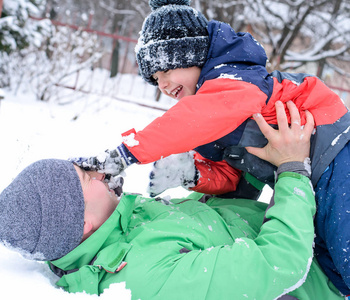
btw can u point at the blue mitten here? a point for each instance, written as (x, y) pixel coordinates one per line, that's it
(173, 171)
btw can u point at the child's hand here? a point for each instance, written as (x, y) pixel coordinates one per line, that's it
(172, 171)
(116, 184)
(288, 143)
(109, 162)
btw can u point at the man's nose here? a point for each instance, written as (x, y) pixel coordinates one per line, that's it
(100, 176)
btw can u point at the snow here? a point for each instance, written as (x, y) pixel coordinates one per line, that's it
(220, 66)
(307, 165)
(301, 281)
(241, 241)
(130, 141)
(33, 130)
(338, 137)
(233, 76)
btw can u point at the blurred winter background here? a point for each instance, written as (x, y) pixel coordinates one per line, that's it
(69, 86)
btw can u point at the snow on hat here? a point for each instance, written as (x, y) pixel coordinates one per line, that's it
(42, 210)
(173, 36)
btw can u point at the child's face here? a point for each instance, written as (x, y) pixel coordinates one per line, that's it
(178, 83)
(100, 200)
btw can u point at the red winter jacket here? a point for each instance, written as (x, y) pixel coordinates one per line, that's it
(218, 108)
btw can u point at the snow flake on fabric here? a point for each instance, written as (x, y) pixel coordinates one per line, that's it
(296, 82)
(307, 165)
(300, 282)
(338, 137)
(230, 76)
(220, 66)
(130, 141)
(241, 241)
(256, 42)
(101, 157)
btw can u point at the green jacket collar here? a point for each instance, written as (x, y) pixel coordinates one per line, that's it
(112, 229)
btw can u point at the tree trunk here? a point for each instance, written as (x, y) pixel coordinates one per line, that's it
(115, 60)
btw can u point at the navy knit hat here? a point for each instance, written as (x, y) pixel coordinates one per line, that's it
(42, 210)
(173, 36)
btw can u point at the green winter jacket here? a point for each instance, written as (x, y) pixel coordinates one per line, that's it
(221, 249)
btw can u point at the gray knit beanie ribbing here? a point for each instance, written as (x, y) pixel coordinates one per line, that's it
(173, 36)
(42, 210)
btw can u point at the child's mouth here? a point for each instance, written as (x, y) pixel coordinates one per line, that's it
(176, 91)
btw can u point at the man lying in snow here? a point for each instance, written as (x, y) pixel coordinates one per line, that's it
(193, 248)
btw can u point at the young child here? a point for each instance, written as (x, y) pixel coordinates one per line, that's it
(220, 80)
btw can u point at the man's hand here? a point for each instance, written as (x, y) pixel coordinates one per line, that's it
(288, 143)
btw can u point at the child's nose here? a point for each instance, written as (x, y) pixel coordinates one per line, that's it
(162, 83)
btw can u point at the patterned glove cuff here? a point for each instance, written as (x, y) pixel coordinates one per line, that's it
(127, 157)
(303, 168)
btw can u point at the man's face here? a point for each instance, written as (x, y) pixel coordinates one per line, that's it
(178, 83)
(100, 200)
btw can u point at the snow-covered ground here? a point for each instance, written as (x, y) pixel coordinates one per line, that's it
(31, 130)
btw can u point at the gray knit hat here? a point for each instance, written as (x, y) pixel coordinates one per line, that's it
(42, 210)
(173, 36)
